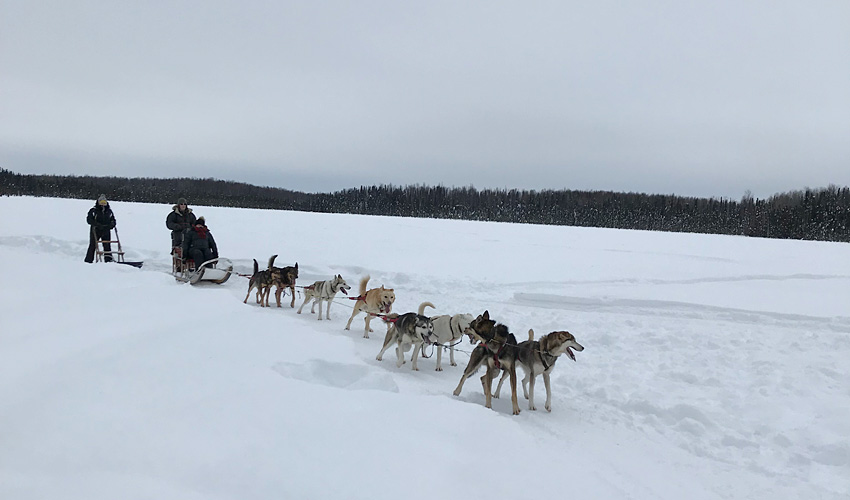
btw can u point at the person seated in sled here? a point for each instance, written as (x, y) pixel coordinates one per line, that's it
(179, 220)
(199, 244)
(102, 221)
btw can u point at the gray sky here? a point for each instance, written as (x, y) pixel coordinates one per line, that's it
(707, 98)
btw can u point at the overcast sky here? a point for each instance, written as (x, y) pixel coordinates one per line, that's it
(708, 98)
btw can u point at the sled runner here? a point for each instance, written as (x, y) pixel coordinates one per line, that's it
(214, 270)
(117, 255)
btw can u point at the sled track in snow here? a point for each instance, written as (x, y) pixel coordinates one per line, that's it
(675, 309)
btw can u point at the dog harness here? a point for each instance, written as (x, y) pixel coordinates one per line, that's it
(536, 347)
(496, 355)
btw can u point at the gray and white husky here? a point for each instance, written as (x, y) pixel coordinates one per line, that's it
(409, 329)
(324, 291)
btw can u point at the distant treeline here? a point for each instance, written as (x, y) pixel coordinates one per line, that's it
(811, 214)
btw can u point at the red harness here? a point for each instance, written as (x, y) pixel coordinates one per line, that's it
(496, 355)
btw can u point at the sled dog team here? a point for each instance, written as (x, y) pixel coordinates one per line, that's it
(498, 349)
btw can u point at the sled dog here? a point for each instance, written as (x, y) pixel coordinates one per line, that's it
(497, 351)
(406, 330)
(540, 357)
(447, 330)
(375, 301)
(288, 275)
(324, 291)
(262, 281)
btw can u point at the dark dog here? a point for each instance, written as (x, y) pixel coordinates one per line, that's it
(288, 275)
(498, 351)
(539, 358)
(409, 329)
(263, 281)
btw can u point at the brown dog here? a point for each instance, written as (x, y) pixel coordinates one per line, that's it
(498, 351)
(375, 301)
(538, 358)
(288, 275)
(263, 281)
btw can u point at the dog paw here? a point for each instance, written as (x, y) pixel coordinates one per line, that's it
(439, 369)
(379, 357)
(548, 408)
(456, 392)
(516, 411)
(532, 407)
(453, 363)
(496, 396)
(365, 335)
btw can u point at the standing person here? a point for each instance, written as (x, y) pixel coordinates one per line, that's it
(179, 220)
(198, 243)
(102, 221)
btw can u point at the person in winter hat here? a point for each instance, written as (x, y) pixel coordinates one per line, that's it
(179, 220)
(101, 221)
(199, 244)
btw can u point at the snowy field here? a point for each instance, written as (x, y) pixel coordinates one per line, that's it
(714, 366)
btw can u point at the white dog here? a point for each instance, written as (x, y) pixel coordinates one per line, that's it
(448, 330)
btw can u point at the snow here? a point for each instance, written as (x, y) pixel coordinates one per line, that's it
(714, 366)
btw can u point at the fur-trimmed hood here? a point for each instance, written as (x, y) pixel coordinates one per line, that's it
(188, 210)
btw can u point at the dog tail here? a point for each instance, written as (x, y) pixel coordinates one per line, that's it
(271, 260)
(530, 334)
(256, 267)
(422, 307)
(363, 282)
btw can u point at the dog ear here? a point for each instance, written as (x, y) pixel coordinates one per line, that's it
(486, 315)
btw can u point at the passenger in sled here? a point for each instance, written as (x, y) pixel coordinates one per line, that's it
(199, 244)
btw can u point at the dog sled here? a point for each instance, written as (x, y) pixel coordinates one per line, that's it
(115, 255)
(216, 270)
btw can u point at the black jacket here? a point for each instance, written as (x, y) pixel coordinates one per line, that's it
(101, 217)
(178, 222)
(199, 237)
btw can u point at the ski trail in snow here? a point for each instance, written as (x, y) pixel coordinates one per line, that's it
(675, 310)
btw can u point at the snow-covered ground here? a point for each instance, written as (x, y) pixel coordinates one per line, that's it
(714, 366)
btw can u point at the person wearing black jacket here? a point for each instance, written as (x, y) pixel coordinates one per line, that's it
(102, 221)
(198, 243)
(179, 220)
